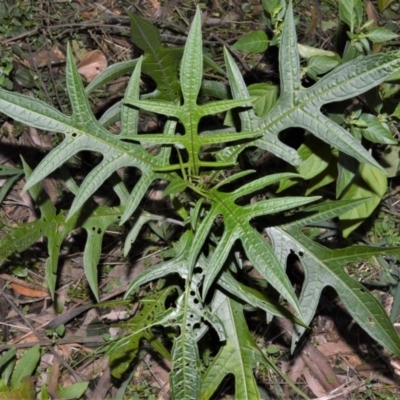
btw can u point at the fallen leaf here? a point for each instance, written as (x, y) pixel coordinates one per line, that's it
(92, 64)
(42, 58)
(24, 288)
(372, 14)
(26, 291)
(313, 384)
(333, 348)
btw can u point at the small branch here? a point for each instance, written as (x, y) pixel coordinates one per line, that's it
(76, 376)
(235, 53)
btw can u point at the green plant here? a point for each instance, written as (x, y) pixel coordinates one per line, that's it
(215, 225)
(367, 118)
(15, 19)
(18, 376)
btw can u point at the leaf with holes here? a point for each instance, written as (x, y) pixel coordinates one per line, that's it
(123, 352)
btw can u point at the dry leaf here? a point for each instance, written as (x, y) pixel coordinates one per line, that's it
(372, 13)
(92, 64)
(42, 58)
(28, 292)
(294, 369)
(90, 13)
(332, 348)
(313, 384)
(25, 288)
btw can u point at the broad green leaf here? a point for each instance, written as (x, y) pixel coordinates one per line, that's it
(375, 131)
(216, 89)
(144, 34)
(390, 159)
(316, 157)
(378, 35)
(326, 177)
(350, 12)
(308, 51)
(319, 65)
(175, 187)
(3, 385)
(274, 7)
(7, 357)
(396, 112)
(159, 62)
(266, 96)
(74, 391)
(347, 168)
(253, 42)
(370, 184)
(25, 366)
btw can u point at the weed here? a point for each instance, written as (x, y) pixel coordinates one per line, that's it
(215, 224)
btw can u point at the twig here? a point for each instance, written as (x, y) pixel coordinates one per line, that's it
(99, 339)
(237, 56)
(76, 376)
(63, 26)
(165, 37)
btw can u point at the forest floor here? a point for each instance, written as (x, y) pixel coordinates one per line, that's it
(33, 41)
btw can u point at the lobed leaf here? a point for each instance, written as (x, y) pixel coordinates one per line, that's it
(300, 107)
(324, 267)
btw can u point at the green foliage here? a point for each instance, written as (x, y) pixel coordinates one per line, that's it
(204, 294)
(253, 42)
(15, 18)
(74, 391)
(322, 167)
(125, 351)
(351, 12)
(55, 227)
(18, 376)
(17, 381)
